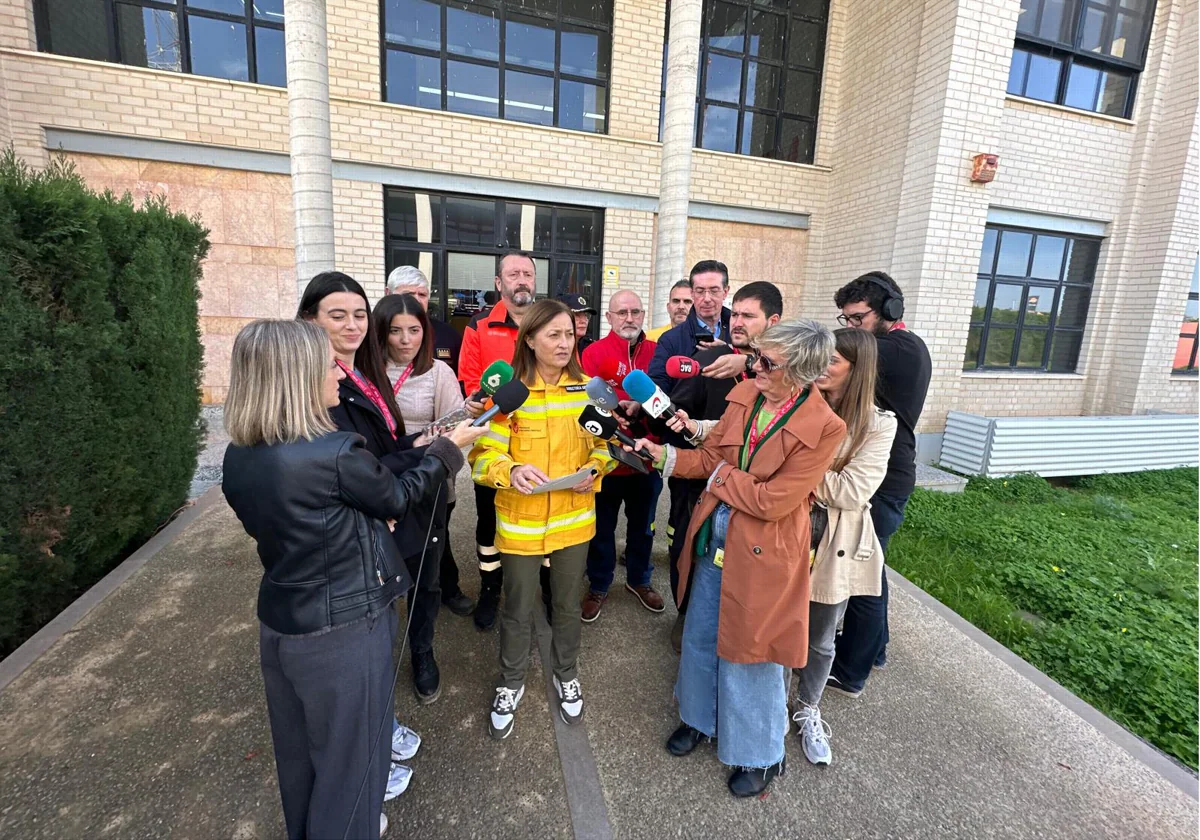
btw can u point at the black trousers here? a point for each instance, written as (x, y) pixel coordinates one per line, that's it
(448, 569)
(328, 694)
(425, 598)
(485, 528)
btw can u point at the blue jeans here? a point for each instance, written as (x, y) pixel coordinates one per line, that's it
(638, 493)
(865, 628)
(743, 706)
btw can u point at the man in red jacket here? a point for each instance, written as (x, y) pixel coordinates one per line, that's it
(490, 336)
(624, 349)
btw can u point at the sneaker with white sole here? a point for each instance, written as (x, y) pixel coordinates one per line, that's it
(570, 701)
(398, 778)
(382, 824)
(504, 711)
(405, 742)
(840, 687)
(814, 735)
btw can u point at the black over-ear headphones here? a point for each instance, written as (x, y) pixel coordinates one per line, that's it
(892, 307)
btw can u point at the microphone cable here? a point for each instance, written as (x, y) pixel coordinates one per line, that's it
(395, 676)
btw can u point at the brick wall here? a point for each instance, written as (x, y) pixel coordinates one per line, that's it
(629, 245)
(358, 233)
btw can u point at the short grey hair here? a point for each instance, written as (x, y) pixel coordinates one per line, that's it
(406, 276)
(806, 346)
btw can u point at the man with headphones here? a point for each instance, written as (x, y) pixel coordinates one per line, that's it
(875, 303)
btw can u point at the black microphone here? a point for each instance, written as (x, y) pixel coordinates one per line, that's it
(508, 398)
(602, 424)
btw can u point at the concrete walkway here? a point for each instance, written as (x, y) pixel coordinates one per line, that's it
(148, 720)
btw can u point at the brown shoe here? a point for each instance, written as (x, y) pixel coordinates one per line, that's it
(593, 602)
(650, 599)
(677, 634)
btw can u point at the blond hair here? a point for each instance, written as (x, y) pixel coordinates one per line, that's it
(276, 379)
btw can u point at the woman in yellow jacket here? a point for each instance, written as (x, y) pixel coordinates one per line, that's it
(540, 442)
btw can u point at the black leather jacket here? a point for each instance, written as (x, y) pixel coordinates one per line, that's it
(317, 510)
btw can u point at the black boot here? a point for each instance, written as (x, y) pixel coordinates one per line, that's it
(489, 598)
(544, 577)
(751, 781)
(684, 739)
(427, 680)
(458, 603)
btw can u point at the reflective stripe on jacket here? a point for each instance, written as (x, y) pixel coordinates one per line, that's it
(544, 432)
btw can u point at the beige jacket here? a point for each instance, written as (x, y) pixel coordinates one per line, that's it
(849, 559)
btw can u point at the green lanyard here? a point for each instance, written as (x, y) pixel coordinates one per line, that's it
(751, 438)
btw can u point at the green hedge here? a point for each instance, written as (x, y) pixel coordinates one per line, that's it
(100, 363)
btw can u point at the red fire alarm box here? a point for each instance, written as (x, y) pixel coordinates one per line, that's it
(984, 169)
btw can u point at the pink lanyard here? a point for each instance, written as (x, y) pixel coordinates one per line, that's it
(373, 395)
(403, 378)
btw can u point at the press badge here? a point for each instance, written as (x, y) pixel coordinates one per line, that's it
(719, 558)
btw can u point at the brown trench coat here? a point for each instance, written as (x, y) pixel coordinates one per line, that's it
(764, 585)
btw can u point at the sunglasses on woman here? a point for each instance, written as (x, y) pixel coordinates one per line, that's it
(765, 362)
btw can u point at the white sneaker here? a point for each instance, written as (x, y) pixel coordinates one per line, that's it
(504, 711)
(570, 701)
(405, 743)
(814, 735)
(382, 824)
(398, 780)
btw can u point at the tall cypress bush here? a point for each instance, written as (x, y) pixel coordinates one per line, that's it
(100, 361)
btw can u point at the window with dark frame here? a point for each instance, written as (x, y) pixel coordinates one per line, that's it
(759, 85)
(1084, 54)
(241, 40)
(457, 239)
(545, 62)
(1031, 300)
(1185, 348)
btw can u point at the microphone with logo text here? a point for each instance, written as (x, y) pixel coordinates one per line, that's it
(641, 387)
(603, 425)
(508, 398)
(497, 373)
(601, 394)
(611, 370)
(682, 367)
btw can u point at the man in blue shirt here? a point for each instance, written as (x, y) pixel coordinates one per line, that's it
(707, 323)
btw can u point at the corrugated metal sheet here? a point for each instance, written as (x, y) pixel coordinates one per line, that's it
(1050, 446)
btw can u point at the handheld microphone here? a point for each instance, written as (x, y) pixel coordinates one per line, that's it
(611, 370)
(498, 373)
(603, 425)
(682, 367)
(602, 394)
(508, 398)
(641, 387)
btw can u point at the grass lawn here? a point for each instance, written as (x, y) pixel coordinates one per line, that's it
(1094, 583)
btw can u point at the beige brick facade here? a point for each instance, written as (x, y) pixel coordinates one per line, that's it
(911, 91)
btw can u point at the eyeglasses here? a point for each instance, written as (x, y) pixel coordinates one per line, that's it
(767, 364)
(717, 291)
(854, 320)
(624, 314)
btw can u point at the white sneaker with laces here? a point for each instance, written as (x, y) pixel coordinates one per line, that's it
(405, 743)
(570, 701)
(382, 824)
(398, 780)
(504, 711)
(814, 734)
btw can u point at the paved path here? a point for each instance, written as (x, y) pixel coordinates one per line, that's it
(147, 720)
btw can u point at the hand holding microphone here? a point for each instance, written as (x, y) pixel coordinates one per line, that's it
(603, 425)
(497, 374)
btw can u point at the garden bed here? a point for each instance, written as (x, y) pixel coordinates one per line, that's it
(1094, 583)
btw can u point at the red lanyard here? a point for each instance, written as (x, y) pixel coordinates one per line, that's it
(372, 393)
(404, 374)
(753, 438)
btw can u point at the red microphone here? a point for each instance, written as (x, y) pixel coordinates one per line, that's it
(611, 371)
(682, 367)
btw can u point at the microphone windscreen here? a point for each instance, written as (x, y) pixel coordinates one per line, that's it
(510, 396)
(598, 422)
(602, 394)
(497, 373)
(609, 369)
(639, 386)
(682, 367)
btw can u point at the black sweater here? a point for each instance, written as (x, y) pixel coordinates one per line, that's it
(904, 371)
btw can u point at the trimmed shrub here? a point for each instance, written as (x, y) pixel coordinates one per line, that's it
(100, 363)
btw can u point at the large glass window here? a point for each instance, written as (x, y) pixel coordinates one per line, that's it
(759, 84)
(1083, 53)
(1185, 348)
(545, 62)
(456, 240)
(1031, 300)
(230, 39)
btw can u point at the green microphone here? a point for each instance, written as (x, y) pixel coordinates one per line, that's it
(498, 373)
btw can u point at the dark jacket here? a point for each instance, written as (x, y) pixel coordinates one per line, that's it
(680, 341)
(904, 371)
(447, 342)
(356, 413)
(317, 510)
